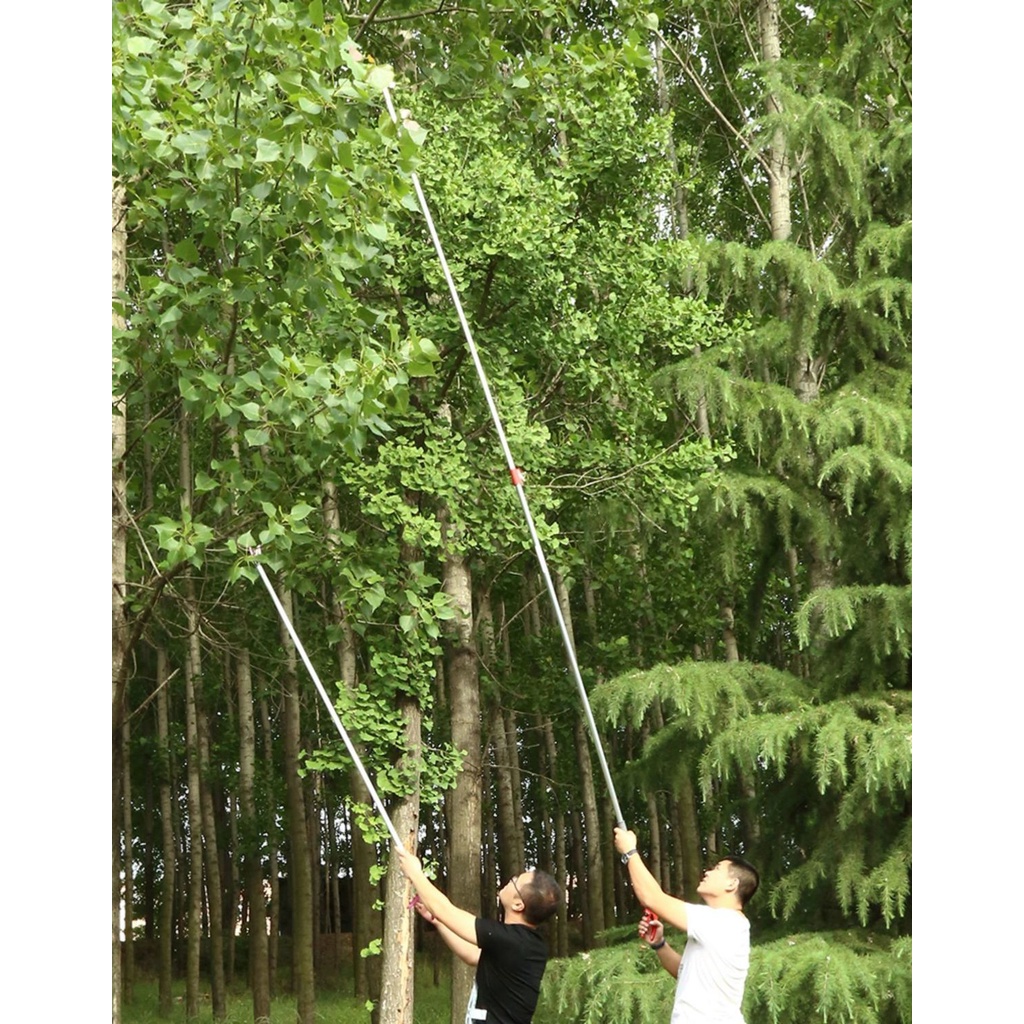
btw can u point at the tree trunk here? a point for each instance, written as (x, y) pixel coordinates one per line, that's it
(273, 866)
(203, 831)
(732, 650)
(299, 873)
(128, 964)
(592, 830)
(463, 800)
(516, 783)
(593, 826)
(170, 847)
(561, 872)
(687, 832)
(510, 854)
(195, 813)
(250, 833)
(779, 180)
(119, 541)
(578, 897)
(211, 848)
(366, 922)
(312, 790)
(232, 892)
(396, 990)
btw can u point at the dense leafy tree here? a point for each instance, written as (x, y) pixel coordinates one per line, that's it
(682, 239)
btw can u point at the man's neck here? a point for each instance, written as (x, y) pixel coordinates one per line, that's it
(726, 902)
(513, 917)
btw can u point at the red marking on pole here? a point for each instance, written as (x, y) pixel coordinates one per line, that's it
(517, 476)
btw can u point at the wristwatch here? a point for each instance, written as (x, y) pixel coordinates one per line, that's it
(627, 855)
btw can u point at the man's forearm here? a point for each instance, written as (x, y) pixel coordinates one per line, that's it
(459, 921)
(465, 951)
(669, 959)
(643, 882)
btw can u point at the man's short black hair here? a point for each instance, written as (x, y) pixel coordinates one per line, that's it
(541, 897)
(746, 874)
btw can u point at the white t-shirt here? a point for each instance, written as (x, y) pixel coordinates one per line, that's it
(709, 988)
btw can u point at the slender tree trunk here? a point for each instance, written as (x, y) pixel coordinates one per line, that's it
(396, 990)
(594, 906)
(464, 799)
(366, 922)
(579, 900)
(170, 846)
(128, 966)
(312, 790)
(273, 867)
(211, 849)
(725, 610)
(203, 826)
(510, 854)
(229, 870)
(300, 875)
(593, 826)
(119, 541)
(250, 834)
(561, 942)
(195, 815)
(657, 866)
(488, 819)
(780, 175)
(516, 783)
(149, 851)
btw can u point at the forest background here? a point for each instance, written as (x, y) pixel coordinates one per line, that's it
(90, 371)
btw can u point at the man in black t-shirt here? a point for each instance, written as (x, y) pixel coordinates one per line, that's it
(509, 955)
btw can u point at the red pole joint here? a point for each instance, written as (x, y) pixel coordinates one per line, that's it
(517, 476)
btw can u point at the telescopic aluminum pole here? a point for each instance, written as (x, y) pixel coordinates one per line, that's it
(517, 478)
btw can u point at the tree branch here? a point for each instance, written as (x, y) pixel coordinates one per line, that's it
(711, 103)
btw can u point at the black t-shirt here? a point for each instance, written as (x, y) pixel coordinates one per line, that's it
(508, 974)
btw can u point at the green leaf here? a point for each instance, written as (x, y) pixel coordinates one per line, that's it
(306, 155)
(381, 77)
(186, 251)
(138, 45)
(267, 151)
(170, 317)
(256, 438)
(193, 143)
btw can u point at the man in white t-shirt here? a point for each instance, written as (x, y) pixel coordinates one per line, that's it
(712, 968)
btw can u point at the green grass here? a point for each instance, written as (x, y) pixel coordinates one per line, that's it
(338, 1006)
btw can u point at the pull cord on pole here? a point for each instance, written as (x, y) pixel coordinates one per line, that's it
(330, 706)
(517, 478)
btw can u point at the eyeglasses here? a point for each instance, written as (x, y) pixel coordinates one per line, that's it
(516, 887)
